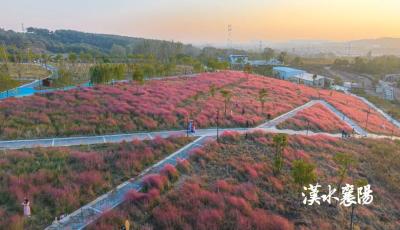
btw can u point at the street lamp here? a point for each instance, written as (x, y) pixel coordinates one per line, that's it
(187, 126)
(218, 125)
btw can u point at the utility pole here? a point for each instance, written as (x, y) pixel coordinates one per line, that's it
(308, 126)
(366, 122)
(392, 134)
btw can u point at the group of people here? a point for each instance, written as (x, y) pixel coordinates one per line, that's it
(346, 134)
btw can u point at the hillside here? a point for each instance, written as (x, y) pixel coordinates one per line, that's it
(66, 41)
(317, 119)
(60, 180)
(168, 104)
(231, 185)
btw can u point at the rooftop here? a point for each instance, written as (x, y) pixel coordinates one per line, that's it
(288, 69)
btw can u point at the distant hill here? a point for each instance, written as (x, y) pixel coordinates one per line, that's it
(65, 41)
(379, 42)
(376, 47)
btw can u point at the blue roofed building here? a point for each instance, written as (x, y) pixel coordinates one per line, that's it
(285, 73)
(301, 77)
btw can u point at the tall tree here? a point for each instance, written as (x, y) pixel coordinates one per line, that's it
(359, 184)
(227, 95)
(344, 161)
(262, 98)
(138, 77)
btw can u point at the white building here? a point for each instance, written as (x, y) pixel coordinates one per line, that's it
(352, 85)
(386, 89)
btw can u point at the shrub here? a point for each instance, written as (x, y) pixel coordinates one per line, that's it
(154, 181)
(183, 165)
(170, 172)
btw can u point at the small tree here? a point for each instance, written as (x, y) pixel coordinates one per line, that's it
(248, 69)
(4, 57)
(303, 173)
(262, 97)
(138, 77)
(227, 95)
(72, 57)
(359, 184)
(280, 143)
(344, 161)
(213, 90)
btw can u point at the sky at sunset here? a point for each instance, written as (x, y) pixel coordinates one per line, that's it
(207, 20)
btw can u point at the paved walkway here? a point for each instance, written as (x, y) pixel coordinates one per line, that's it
(92, 211)
(269, 126)
(28, 89)
(370, 104)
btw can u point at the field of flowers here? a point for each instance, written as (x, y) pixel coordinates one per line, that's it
(60, 180)
(318, 119)
(231, 185)
(167, 104)
(367, 118)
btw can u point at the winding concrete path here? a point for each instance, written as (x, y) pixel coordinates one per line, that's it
(92, 211)
(269, 126)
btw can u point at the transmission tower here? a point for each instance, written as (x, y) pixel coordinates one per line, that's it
(349, 49)
(23, 28)
(229, 41)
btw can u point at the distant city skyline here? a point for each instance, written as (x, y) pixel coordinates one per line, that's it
(207, 21)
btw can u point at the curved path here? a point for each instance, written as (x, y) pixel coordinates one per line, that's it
(269, 126)
(92, 211)
(28, 89)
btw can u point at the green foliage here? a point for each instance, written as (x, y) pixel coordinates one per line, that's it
(105, 73)
(379, 65)
(138, 76)
(227, 95)
(283, 57)
(303, 172)
(72, 57)
(213, 90)
(214, 64)
(344, 161)
(65, 78)
(297, 61)
(280, 142)
(248, 69)
(6, 82)
(262, 97)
